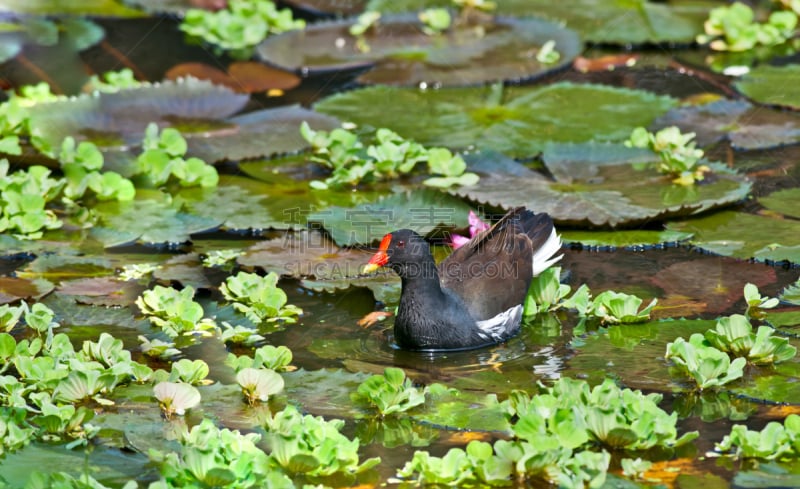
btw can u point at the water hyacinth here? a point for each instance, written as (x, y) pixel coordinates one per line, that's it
(176, 397)
(259, 383)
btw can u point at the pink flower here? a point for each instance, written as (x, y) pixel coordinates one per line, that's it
(475, 226)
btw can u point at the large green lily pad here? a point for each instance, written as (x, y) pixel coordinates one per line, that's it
(610, 353)
(628, 239)
(773, 85)
(147, 221)
(477, 51)
(743, 235)
(94, 8)
(603, 21)
(787, 202)
(596, 186)
(425, 211)
(120, 118)
(518, 121)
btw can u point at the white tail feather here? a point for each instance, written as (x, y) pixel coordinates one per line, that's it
(543, 257)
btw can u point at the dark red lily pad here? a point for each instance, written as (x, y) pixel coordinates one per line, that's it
(101, 291)
(242, 76)
(186, 270)
(717, 282)
(14, 289)
(306, 254)
(479, 50)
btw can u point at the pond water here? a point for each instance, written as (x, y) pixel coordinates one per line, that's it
(696, 277)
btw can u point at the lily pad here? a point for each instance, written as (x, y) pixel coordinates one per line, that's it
(324, 392)
(772, 85)
(614, 21)
(780, 385)
(718, 283)
(786, 202)
(745, 125)
(518, 121)
(257, 134)
(463, 410)
(147, 221)
(594, 191)
(13, 289)
(242, 76)
(187, 270)
(323, 7)
(743, 235)
(385, 287)
(121, 117)
(609, 354)
(306, 254)
(632, 240)
(94, 8)
(424, 211)
(400, 53)
(101, 291)
(239, 204)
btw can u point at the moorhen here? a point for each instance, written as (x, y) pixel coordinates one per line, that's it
(474, 297)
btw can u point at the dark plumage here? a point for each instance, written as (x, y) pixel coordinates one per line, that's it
(474, 297)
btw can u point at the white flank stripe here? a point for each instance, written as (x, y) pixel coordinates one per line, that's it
(496, 326)
(543, 257)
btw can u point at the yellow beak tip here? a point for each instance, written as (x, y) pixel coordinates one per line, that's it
(369, 268)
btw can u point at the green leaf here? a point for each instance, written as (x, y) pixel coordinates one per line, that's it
(520, 125)
(743, 235)
(424, 211)
(758, 84)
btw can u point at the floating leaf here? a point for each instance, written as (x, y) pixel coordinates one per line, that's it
(608, 354)
(618, 21)
(13, 289)
(518, 121)
(760, 84)
(258, 384)
(320, 7)
(123, 116)
(717, 283)
(94, 8)
(745, 125)
(743, 235)
(787, 202)
(307, 254)
(101, 291)
(239, 204)
(635, 240)
(424, 211)
(148, 221)
(606, 194)
(260, 133)
(242, 76)
(476, 51)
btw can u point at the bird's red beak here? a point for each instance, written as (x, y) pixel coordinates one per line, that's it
(380, 258)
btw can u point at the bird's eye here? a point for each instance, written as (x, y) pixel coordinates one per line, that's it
(401, 244)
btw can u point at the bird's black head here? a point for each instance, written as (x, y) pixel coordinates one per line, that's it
(404, 251)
